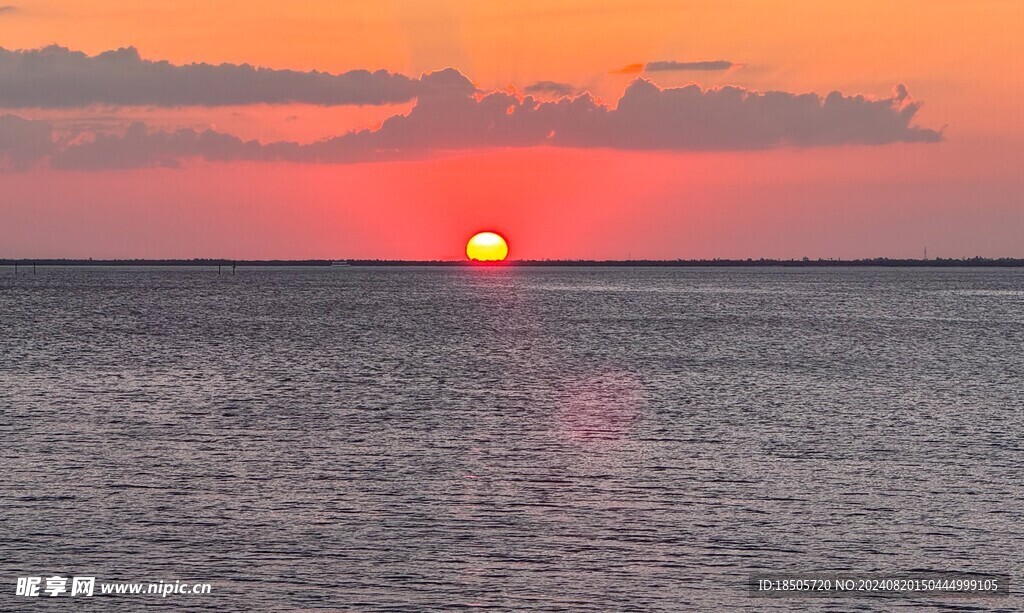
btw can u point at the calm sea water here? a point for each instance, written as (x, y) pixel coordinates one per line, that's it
(520, 439)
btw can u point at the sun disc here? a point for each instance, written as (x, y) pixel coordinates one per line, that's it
(487, 247)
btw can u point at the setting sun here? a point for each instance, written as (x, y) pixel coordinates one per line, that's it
(487, 247)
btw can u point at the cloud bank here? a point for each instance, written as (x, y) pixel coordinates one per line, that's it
(449, 118)
(56, 77)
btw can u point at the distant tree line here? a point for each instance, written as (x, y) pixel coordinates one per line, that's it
(717, 262)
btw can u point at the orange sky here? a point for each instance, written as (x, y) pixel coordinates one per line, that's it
(962, 196)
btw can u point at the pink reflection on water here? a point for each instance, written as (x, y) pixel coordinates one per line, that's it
(599, 409)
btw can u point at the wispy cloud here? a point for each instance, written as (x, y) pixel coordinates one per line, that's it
(668, 65)
(674, 66)
(550, 87)
(8, 8)
(629, 69)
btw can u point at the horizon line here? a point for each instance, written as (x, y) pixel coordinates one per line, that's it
(974, 261)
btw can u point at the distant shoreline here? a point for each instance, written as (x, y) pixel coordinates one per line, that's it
(721, 263)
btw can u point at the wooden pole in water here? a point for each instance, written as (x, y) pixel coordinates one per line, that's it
(233, 264)
(33, 267)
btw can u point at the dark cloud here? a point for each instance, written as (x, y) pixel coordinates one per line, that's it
(447, 118)
(24, 142)
(56, 77)
(8, 8)
(550, 87)
(666, 66)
